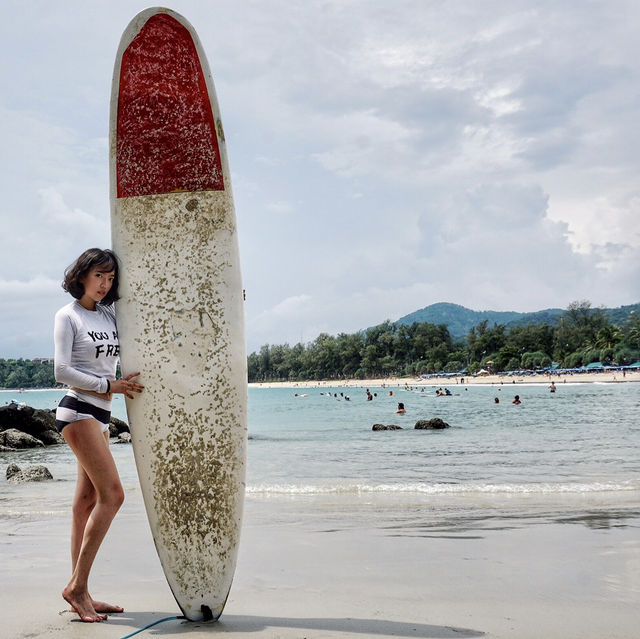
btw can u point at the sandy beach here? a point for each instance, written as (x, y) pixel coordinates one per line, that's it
(298, 577)
(541, 554)
(467, 380)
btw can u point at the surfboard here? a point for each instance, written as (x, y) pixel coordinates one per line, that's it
(180, 317)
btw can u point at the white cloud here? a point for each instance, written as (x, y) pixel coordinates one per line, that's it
(28, 307)
(384, 157)
(598, 221)
(37, 287)
(55, 211)
(282, 208)
(289, 318)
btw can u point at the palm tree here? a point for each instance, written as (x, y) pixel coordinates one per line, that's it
(608, 337)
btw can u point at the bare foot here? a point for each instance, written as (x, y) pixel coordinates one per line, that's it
(81, 603)
(101, 606)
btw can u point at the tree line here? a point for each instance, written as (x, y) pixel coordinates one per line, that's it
(581, 335)
(26, 373)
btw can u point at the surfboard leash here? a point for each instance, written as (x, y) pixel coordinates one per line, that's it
(155, 623)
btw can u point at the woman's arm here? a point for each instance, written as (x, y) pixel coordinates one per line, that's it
(126, 386)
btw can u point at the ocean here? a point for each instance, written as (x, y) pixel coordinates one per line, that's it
(561, 456)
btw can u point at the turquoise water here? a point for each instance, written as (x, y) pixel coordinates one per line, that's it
(582, 438)
(557, 455)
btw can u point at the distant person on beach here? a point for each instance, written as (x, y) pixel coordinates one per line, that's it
(552, 388)
(401, 409)
(516, 400)
(86, 356)
(369, 396)
(496, 400)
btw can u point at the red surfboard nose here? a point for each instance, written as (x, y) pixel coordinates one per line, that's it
(166, 138)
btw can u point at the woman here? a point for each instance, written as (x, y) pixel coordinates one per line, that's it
(86, 355)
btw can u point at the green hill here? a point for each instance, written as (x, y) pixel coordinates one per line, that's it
(459, 319)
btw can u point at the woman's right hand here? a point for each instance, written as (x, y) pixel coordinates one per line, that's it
(127, 386)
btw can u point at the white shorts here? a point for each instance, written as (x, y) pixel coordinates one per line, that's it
(75, 406)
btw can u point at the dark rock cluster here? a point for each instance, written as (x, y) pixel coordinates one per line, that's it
(23, 427)
(431, 424)
(26, 427)
(15, 475)
(388, 427)
(422, 424)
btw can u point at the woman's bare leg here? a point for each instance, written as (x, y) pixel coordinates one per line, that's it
(84, 501)
(92, 450)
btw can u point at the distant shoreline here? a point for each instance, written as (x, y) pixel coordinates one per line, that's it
(485, 380)
(400, 382)
(30, 390)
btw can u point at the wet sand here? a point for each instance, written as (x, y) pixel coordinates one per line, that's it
(299, 577)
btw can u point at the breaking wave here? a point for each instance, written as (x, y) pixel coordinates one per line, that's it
(445, 489)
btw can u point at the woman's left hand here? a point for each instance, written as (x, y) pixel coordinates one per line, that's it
(127, 386)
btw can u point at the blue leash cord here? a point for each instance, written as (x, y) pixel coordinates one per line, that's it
(155, 623)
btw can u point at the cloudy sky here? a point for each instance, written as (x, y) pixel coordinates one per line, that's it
(385, 155)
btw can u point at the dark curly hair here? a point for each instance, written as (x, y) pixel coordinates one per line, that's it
(81, 268)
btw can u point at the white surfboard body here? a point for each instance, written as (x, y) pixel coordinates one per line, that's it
(180, 317)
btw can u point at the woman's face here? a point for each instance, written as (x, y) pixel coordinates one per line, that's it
(97, 283)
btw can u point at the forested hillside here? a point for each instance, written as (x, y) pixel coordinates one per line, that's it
(581, 335)
(460, 320)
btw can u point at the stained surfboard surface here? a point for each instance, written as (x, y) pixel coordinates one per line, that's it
(180, 316)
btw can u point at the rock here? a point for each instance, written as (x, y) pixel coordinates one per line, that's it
(33, 421)
(125, 438)
(51, 438)
(31, 473)
(431, 424)
(41, 424)
(17, 439)
(117, 426)
(12, 469)
(388, 427)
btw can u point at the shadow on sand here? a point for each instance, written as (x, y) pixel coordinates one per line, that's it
(238, 624)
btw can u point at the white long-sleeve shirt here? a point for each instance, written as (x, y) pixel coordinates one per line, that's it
(86, 346)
